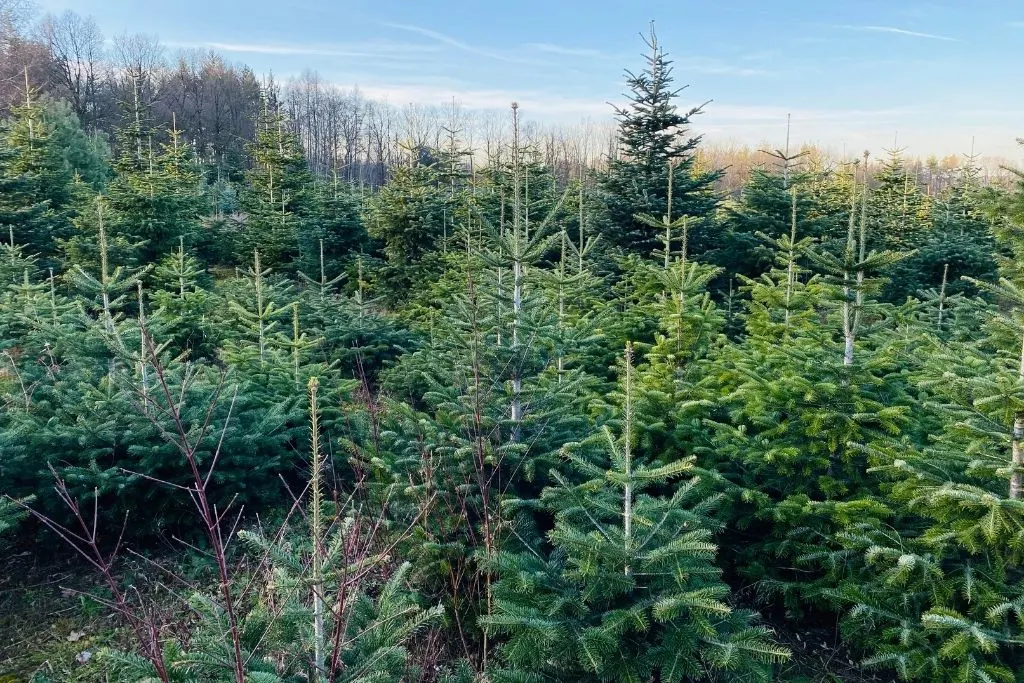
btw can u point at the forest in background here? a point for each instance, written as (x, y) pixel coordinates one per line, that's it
(296, 386)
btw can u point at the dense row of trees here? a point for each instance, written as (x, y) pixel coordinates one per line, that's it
(530, 420)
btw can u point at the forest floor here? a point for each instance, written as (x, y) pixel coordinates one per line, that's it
(818, 657)
(49, 628)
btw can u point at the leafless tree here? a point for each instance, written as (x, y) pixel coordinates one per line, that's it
(76, 44)
(137, 70)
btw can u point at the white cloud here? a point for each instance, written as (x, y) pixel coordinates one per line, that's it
(567, 51)
(715, 67)
(445, 39)
(898, 31)
(356, 50)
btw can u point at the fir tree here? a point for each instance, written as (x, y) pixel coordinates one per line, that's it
(628, 589)
(766, 207)
(960, 244)
(38, 192)
(277, 198)
(652, 143)
(414, 217)
(898, 218)
(336, 230)
(154, 199)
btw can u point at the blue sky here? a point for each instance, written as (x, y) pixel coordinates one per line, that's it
(854, 74)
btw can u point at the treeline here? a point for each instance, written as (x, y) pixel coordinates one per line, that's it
(512, 420)
(214, 103)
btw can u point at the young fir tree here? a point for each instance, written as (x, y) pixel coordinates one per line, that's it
(898, 216)
(75, 352)
(766, 206)
(86, 154)
(154, 198)
(260, 303)
(183, 307)
(355, 331)
(925, 572)
(277, 197)
(38, 192)
(676, 402)
(337, 233)
(929, 580)
(625, 587)
(814, 381)
(40, 328)
(959, 245)
(652, 143)
(499, 395)
(332, 630)
(415, 216)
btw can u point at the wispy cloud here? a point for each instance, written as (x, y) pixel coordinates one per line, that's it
(267, 49)
(897, 31)
(445, 39)
(362, 50)
(566, 51)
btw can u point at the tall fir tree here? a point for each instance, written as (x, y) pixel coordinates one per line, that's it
(154, 198)
(653, 142)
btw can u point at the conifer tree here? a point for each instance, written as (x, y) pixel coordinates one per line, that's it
(652, 143)
(336, 231)
(815, 381)
(183, 306)
(765, 207)
(355, 330)
(497, 405)
(154, 199)
(38, 192)
(260, 317)
(277, 197)
(625, 588)
(959, 244)
(898, 217)
(415, 217)
(926, 571)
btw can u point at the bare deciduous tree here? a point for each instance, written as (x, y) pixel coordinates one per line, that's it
(76, 44)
